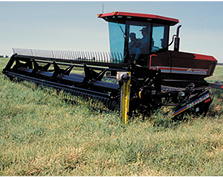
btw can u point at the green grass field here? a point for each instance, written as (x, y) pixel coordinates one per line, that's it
(40, 134)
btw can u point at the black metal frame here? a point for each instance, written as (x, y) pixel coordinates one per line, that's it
(146, 88)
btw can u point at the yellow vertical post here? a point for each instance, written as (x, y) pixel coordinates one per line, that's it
(125, 97)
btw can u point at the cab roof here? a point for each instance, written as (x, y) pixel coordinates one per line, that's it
(121, 17)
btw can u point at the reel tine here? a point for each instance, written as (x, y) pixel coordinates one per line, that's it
(100, 57)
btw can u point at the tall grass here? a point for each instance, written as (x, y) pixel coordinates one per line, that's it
(217, 76)
(40, 134)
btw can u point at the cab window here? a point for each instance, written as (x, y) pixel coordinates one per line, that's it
(139, 34)
(117, 41)
(159, 38)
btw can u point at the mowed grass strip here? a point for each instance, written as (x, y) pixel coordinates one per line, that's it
(40, 134)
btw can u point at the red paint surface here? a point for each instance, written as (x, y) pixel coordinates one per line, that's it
(138, 15)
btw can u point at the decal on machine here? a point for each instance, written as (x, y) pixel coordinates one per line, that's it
(181, 70)
(199, 100)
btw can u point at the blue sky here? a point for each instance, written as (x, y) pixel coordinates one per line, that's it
(74, 26)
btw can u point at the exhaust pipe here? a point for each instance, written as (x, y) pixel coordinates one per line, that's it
(177, 40)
